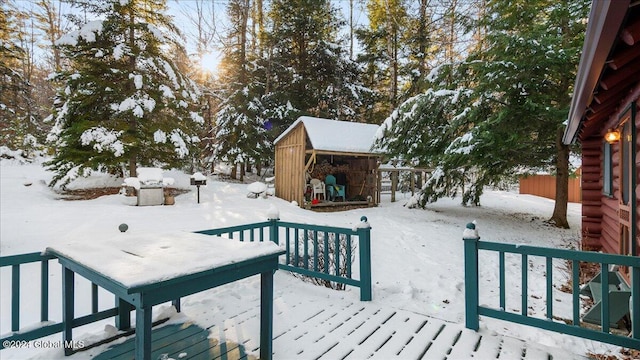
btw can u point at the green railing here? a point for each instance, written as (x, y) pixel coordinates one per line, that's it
(46, 326)
(321, 252)
(473, 309)
(312, 250)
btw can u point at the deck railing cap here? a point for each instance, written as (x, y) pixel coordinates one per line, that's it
(363, 224)
(470, 232)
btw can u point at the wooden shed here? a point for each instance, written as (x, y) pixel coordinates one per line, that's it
(603, 118)
(314, 148)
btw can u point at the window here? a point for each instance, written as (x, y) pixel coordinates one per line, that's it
(607, 170)
(625, 144)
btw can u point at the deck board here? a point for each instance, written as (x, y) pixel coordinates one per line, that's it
(179, 341)
(306, 326)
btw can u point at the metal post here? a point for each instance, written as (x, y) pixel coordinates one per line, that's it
(364, 244)
(198, 186)
(471, 239)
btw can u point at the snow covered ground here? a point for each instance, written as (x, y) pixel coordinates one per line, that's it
(417, 255)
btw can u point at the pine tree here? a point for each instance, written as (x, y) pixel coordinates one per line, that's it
(384, 49)
(517, 94)
(17, 121)
(123, 101)
(533, 69)
(240, 137)
(308, 69)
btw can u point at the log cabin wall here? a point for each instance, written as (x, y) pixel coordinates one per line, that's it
(600, 212)
(289, 166)
(607, 83)
(592, 193)
(610, 241)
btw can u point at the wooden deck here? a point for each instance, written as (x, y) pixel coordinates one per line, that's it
(180, 341)
(305, 328)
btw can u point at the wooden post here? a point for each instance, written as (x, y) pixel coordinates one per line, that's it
(143, 332)
(413, 183)
(94, 298)
(394, 185)
(176, 304)
(379, 186)
(635, 302)
(266, 315)
(273, 231)
(123, 319)
(472, 320)
(15, 298)
(364, 245)
(67, 308)
(44, 290)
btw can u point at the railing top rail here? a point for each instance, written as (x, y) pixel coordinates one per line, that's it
(586, 256)
(317, 227)
(24, 258)
(234, 228)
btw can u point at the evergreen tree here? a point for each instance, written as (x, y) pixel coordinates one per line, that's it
(17, 121)
(500, 111)
(123, 101)
(384, 44)
(308, 71)
(240, 137)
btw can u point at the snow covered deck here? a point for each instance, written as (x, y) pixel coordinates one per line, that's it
(306, 326)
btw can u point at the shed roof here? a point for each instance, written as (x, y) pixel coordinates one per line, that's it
(336, 136)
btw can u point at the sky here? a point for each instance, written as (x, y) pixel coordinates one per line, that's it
(416, 255)
(184, 12)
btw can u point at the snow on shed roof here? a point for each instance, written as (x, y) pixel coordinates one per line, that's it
(335, 135)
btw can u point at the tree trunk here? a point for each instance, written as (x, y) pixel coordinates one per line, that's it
(559, 217)
(132, 166)
(133, 123)
(234, 171)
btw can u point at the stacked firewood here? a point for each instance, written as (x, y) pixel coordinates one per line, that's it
(320, 171)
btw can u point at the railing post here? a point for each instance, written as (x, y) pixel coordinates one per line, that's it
(15, 298)
(635, 302)
(471, 238)
(68, 306)
(44, 290)
(274, 216)
(364, 244)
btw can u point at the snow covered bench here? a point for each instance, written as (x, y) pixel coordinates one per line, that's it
(149, 185)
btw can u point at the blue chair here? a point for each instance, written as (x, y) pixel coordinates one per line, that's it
(334, 190)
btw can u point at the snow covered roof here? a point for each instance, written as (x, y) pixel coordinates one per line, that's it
(335, 135)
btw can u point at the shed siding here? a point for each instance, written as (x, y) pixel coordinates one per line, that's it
(289, 166)
(362, 181)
